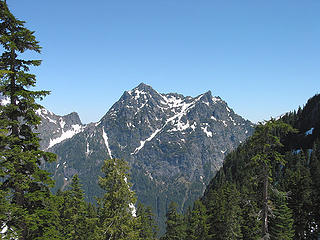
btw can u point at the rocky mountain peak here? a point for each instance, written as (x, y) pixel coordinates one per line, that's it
(144, 87)
(141, 91)
(73, 118)
(55, 129)
(174, 144)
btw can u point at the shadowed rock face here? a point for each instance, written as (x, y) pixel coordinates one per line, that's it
(174, 144)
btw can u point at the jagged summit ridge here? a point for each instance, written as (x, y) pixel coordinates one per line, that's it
(55, 129)
(172, 112)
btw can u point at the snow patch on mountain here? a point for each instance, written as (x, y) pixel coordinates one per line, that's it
(206, 103)
(172, 101)
(193, 126)
(88, 151)
(75, 129)
(131, 205)
(213, 118)
(62, 123)
(175, 120)
(45, 114)
(105, 138)
(224, 123)
(139, 108)
(137, 93)
(205, 130)
(149, 175)
(232, 120)
(142, 143)
(216, 100)
(180, 126)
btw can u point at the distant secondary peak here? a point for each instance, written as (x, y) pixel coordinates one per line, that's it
(73, 117)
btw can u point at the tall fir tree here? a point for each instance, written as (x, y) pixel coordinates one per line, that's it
(75, 221)
(24, 186)
(297, 181)
(197, 226)
(225, 214)
(281, 221)
(267, 144)
(116, 211)
(175, 224)
(147, 226)
(250, 226)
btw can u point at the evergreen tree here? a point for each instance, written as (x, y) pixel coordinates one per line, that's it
(267, 144)
(225, 213)
(297, 181)
(250, 226)
(197, 227)
(147, 226)
(116, 210)
(315, 173)
(92, 220)
(175, 225)
(74, 219)
(24, 186)
(281, 221)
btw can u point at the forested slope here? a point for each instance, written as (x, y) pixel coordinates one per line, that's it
(235, 194)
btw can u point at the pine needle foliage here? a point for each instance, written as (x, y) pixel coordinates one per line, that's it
(24, 187)
(147, 226)
(175, 224)
(75, 221)
(116, 208)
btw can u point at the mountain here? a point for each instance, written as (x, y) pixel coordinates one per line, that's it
(55, 129)
(174, 145)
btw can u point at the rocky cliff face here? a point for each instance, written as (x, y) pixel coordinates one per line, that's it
(174, 144)
(55, 129)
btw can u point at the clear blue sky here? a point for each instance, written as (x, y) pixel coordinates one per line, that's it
(262, 57)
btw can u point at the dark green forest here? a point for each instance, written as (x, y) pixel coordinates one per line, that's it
(268, 188)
